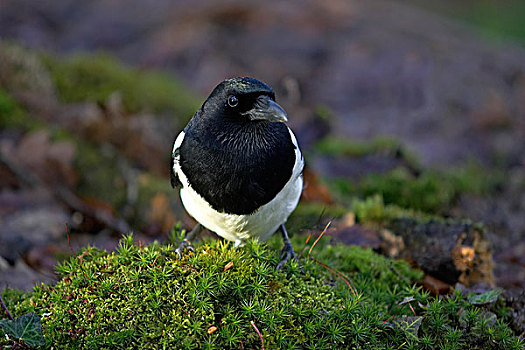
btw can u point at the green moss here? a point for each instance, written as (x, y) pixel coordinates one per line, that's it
(432, 191)
(12, 115)
(96, 77)
(475, 179)
(335, 146)
(429, 192)
(144, 297)
(374, 210)
(497, 20)
(408, 185)
(324, 112)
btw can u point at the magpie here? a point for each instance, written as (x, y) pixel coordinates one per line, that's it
(238, 166)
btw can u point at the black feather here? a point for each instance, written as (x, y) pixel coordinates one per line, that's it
(236, 164)
(241, 169)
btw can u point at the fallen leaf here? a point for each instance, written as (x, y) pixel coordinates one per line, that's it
(314, 190)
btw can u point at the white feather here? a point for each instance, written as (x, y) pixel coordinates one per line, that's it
(238, 228)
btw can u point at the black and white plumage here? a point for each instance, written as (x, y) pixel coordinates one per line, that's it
(238, 166)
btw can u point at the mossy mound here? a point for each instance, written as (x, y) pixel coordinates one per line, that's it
(96, 77)
(144, 297)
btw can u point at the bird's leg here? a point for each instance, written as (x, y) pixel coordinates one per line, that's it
(185, 245)
(287, 253)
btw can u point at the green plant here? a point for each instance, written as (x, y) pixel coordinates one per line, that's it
(96, 77)
(144, 297)
(13, 115)
(408, 185)
(25, 330)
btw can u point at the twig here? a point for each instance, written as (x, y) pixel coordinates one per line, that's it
(318, 238)
(68, 242)
(305, 245)
(385, 321)
(407, 300)
(346, 279)
(260, 335)
(411, 308)
(5, 308)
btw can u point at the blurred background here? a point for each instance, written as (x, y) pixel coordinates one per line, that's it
(416, 104)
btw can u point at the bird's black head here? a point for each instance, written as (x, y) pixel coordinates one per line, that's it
(244, 99)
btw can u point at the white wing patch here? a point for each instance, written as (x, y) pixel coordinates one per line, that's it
(299, 161)
(178, 142)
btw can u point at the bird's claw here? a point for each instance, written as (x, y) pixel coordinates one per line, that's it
(184, 247)
(286, 254)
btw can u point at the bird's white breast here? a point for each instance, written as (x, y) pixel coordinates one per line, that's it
(262, 223)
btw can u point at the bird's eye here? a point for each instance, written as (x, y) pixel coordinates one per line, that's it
(232, 101)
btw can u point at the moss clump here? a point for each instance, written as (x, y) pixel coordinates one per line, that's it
(374, 210)
(408, 185)
(428, 192)
(507, 24)
(144, 297)
(432, 191)
(96, 77)
(12, 115)
(343, 147)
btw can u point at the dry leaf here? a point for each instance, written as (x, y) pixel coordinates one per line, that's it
(314, 191)
(435, 286)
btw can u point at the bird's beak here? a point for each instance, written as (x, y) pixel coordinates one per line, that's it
(267, 109)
